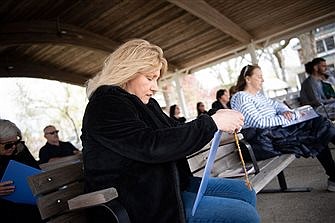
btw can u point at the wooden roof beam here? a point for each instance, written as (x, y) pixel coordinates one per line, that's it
(218, 54)
(300, 28)
(204, 11)
(46, 32)
(21, 68)
(39, 32)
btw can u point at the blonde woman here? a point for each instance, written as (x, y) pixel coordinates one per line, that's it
(129, 143)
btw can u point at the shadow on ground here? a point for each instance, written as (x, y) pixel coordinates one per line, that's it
(316, 206)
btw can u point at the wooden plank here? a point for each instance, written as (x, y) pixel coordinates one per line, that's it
(55, 203)
(225, 158)
(93, 198)
(292, 102)
(53, 179)
(197, 161)
(23, 33)
(270, 168)
(60, 162)
(203, 10)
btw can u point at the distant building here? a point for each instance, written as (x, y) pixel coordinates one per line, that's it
(325, 47)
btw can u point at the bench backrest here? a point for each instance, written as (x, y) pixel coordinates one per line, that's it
(62, 161)
(292, 102)
(228, 163)
(61, 197)
(54, 188)
(227, 159)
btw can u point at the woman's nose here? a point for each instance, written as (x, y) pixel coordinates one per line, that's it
(154, 86)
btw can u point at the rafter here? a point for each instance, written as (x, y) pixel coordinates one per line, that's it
(38, 32)
(204, 11)
(299, 28)
(46, 32)
(259, 42)
(25, 68)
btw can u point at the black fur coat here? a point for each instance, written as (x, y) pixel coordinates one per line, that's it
(141, 152)
(306, 139)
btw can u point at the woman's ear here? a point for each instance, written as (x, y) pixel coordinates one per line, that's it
(247, 79)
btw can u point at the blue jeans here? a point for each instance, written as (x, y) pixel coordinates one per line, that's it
(225, 200)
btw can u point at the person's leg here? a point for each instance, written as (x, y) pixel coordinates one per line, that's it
(327, 161)
(326, 111)
(223, 187)
(330, 108)
(18, 213)
(231, 188)
(219, 209)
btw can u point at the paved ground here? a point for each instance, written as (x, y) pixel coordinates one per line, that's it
(316, 206)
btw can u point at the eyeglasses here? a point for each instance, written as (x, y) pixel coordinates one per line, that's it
(10, 145)
(246, 68)
(52, 133)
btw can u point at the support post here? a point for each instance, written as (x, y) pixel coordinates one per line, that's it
(180, 93)
(252, 52)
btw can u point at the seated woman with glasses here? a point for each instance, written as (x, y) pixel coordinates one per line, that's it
(12, 148)
(264, 121)
(54, 148)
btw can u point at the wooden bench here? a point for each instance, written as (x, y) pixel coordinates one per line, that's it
(61, 198)
(227, 164)
(63, 161)
(292, 102)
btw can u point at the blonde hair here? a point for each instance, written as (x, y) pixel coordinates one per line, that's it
(124, 64)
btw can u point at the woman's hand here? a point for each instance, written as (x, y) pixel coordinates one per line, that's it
(6, 188)
(228, 120)
(288, 115)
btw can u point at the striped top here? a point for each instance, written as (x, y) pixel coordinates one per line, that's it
(258, 110)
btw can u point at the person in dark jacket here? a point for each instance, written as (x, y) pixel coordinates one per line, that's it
(54, 148)
(315, 90)
(222, 100)
(12, 148)
(175, 114)
(129, 143)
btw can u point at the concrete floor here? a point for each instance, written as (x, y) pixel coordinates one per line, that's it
(299, 207)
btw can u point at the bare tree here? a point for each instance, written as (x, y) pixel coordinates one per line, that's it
(308, 48)
(63, 108)
(217, 71)
(278, 53)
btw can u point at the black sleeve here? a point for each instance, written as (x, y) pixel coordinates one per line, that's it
(25, 157)
(72, 146)
(43, 155)
(116, 125)
(307, 95)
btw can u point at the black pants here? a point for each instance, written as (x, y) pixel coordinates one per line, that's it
(327, 161)
(18, 213)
